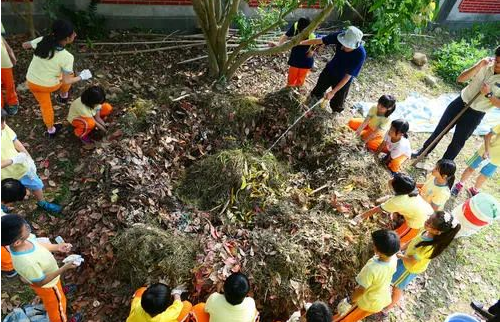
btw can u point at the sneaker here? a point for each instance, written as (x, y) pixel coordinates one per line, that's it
(10, 274)
(11, 109)
(472, 191)
(77, 317)
(415, 154)
(69, 289)
(62, 100)
(86, 140)
(58, 130)
(49, 207)
(456, 189)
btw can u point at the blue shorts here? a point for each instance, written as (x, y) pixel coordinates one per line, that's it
(402, 277)
(32, 184)
(488, 170)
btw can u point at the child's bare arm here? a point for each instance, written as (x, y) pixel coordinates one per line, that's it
(358, 292)
(100, 123)
(20, 147)
(363, 125)
(380, 148)
(487, 145)
(368, 214)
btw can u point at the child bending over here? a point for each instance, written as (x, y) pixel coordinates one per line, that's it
(436, 189)
(232, 306)
(396, 146)
(406, 202)
(88, 111)
(489, 150)
(371, 130)
(373, 292)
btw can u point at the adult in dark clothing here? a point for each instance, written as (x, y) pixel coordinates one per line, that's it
(485, 79)
(349, 57)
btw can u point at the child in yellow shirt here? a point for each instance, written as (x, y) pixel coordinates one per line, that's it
(154, 304)
(439, 231)
(371, 130)
(408, 203)
(373, 292)
(490, 150)
(436, 189)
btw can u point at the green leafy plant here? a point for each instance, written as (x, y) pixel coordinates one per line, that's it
(486, 33)
(88, 24)
(453, 58)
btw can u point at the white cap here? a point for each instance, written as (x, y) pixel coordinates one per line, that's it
(351, 37)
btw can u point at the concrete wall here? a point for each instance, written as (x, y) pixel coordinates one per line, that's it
(453, 16)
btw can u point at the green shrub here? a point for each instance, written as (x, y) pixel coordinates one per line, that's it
(486, 33)
(453, 58)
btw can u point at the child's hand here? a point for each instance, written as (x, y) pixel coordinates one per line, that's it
(486, 155)
(178, 290)
(70, 265)
(485, 89)
(400, 255)
(19, 158)
(64, 247)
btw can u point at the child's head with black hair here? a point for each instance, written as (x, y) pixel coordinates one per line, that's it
(403, 184)
(15, 230)
(399, 129)
(443, 227)
(93, 96)
(156, 299)
(302, 24)
(445, 169)
(386, 105)
(62, 33)
(385, 242)
(319, 312)
(497, 52)
(12, 190)
(236, 288)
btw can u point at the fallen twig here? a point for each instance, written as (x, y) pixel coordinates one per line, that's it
(128, 52)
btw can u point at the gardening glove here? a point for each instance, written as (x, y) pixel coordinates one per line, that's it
(85, 74)
(179, 290)
(21, 157)
(75, 259)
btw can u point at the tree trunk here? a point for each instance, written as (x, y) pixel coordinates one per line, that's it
(27, 16)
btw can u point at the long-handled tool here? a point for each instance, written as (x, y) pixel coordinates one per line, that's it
(445, 130)
(296, 121)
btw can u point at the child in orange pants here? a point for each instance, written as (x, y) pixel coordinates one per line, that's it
(371, 129)
(396, 146)
(8, 61)
(155, 303)
(88, 111)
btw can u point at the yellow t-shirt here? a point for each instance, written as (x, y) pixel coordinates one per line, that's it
(421, 254)
(6, 62)
(48, 72)
(375, 277)
(78, 109)
(494, 148)
(434, 193)
(14, 171)
(377, 122)
(484, 75)
(221, 311)
(415, 209)
(137, 313)
(35, 263)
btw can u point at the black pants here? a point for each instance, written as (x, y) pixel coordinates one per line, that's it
(464, 127)
(325, 81)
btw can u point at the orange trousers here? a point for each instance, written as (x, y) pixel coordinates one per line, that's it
(375, 142)
(297, 76)
(395, 164)
(9, 86)
(84, 125)
(353, 315)
(6, 260)
(54, 301)
(186, 306)
(42, 96)
(406, 233)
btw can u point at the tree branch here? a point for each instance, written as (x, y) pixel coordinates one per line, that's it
(233, 10)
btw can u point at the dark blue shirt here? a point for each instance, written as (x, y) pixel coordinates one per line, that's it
(298, 56)
(343, 62)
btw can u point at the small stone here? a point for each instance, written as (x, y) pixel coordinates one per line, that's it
(115, 90)
(430, 80)
(438, 30)
(419, 59)
(22, 87)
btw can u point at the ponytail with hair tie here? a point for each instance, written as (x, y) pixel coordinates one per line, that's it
(449, 228)
(47, 47)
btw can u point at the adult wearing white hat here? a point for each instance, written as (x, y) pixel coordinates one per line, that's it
(349, 57)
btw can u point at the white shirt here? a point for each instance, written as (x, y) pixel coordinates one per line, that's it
(397, 149)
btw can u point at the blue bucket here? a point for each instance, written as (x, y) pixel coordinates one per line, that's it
(461, 317)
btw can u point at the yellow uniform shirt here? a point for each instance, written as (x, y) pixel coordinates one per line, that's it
(34, 264)
(48, 72)
(137, 313)
(375, 277)
(494, 148)
(484, 75)
(78, 109)
(415, 209)
(221, 311)
(421, 254)
(435, 194)
(6, 62)
(14, 171)
(377, 122)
